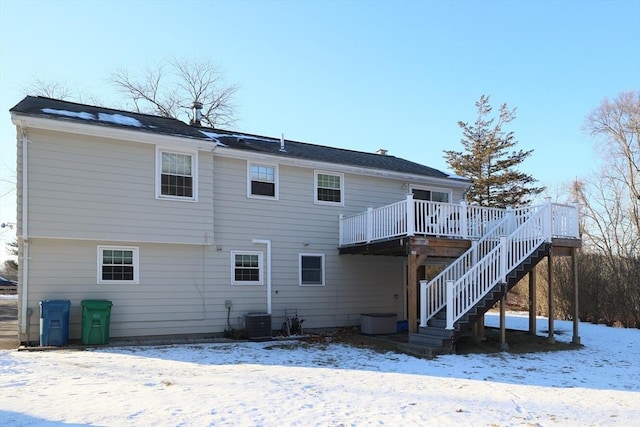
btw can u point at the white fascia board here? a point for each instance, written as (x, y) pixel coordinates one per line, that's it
(336, 167)
(109, 241)
(139, 135)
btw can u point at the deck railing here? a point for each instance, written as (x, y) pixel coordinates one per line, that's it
(502, 239)
(410, 217)
(465, 292)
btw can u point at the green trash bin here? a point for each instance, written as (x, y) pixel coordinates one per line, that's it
(96, 316)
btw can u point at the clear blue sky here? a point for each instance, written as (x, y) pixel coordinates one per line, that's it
(361, 75)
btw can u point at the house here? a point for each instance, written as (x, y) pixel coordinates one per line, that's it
(190, 230)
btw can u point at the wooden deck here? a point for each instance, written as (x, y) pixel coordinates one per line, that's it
(425, 245)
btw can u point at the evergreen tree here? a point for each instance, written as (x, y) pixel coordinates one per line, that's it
(490, 161)
(10, 267)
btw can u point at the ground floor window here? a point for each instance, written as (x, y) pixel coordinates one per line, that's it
(117, 264)
(311, 269)
(246, 268)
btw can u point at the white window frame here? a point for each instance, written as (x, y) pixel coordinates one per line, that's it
(259, 282)
(194, 174)
(276, 177)
(136, 264)
(434, 189)
(322, 269)
(315, 188)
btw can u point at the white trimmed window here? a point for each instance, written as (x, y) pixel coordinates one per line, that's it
(246, 268)
(176, 175)
(118, 264)
(262, 180)
(431, 194)
(329, 188)
(311, 269)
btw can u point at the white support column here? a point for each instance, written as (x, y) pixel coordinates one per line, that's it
(511, 220)
(576, 220)
(503, 258)
(411, 215)
(450, 305)
(548, 219)
(423, 303)
(464, 226)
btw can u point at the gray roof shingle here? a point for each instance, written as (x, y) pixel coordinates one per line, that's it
(101, 116)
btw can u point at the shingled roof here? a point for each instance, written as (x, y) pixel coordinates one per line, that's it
(101, 116)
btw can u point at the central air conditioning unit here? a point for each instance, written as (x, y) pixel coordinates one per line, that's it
(258, 326)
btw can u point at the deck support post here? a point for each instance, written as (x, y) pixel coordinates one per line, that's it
(503, 330)
(532, 301)
(414, 263)
(411, 292)
(551, 339)
(576, 319)
(478, 330)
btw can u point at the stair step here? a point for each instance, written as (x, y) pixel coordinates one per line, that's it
(421, 339)
(435, 332)
(437, 323)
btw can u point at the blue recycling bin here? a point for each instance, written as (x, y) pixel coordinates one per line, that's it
(54, 322)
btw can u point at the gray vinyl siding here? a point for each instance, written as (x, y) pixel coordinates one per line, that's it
(86, 192)
(353, 284)
(96, 188)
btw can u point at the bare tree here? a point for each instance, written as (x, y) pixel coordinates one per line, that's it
(617, 125)
(610, 201)
(171, 89)
(10, 266)
(59, 90)
(48, 88)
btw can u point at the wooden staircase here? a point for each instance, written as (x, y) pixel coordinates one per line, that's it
(439, 339)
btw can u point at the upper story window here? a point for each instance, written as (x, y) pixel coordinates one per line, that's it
(246, 268)
(329, 188)
(433, 195)
(117, 264)
(176, 175)
(262, 181)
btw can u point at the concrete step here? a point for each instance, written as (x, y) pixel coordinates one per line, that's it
(430, 341)
(437, 323)
(435, 332)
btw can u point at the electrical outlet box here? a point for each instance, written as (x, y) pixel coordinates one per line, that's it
(228, 303)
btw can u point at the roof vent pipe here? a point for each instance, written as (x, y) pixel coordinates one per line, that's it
(282, 150)
(197, 114)
(382, 151)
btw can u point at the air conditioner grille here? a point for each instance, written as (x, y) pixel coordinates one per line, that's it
(258, 326)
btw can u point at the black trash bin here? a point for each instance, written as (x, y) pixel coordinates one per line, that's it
(54, 322)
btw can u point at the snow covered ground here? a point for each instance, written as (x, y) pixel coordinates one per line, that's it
(271, 384)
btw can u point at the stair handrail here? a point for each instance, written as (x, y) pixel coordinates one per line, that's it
(433, 294)
(469, 289)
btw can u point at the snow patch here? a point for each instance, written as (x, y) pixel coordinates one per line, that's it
(215, 135)
(103, 117)
(119, 119)
(290, 383)
(85, 116)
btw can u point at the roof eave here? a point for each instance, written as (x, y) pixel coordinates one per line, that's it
(338, 167)
(113, 132)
